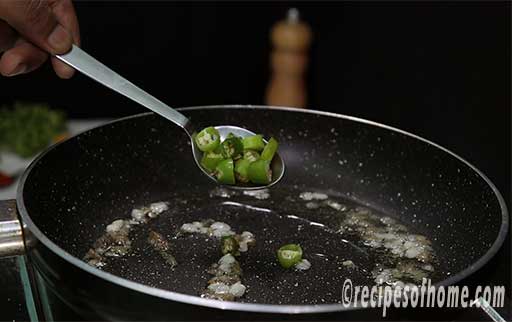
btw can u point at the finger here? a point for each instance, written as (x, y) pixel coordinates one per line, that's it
(7, 36)
(24, 57)
(62, 70)
(35, 21)
(66, 16)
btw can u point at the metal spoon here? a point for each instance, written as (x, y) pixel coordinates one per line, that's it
(88, 65)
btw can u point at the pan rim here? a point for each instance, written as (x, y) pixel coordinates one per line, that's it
(253, 307)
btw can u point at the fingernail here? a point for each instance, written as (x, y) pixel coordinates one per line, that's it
(59, 40)
(20, 69)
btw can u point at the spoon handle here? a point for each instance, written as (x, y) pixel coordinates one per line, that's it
(88, 65)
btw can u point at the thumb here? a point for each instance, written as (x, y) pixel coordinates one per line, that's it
(36, 22)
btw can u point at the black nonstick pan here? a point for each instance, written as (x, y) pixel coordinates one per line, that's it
(365, 201)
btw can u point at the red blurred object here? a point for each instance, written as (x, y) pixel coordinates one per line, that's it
(5, 180)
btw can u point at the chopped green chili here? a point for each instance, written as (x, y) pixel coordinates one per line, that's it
(254, 142)
(211, 159)
(259, 172)
(208, 139)
(289, 255)
(251, 155)
(225, 172)
(230, 246)
(269, 150)
(236, 159)
(242, 170)
(232, 147)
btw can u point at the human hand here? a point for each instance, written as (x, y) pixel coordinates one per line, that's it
(30, 30)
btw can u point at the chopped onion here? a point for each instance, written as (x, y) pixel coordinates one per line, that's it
(189, 228)
(412, 252)
(138, 214)
(237, 289)
(303, 265)
(312, 205)
(335, 205)
(308, 196)
(220, 226)
(115, 226)
(158, 207)
(227, 259)
(258, 194)
(219, 288)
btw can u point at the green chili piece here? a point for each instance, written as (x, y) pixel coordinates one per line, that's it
(289, 255)
(230, 246)
(269, 150)
(259, 172)
(225, 171)
(208, 139)
(242, 170)
(253, 142)
(251, 155)
(232, 147)
(211, 159)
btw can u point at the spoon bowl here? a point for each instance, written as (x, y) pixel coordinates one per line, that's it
(89, 66)
(276, 165)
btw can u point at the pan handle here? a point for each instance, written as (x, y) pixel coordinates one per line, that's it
(11, 230)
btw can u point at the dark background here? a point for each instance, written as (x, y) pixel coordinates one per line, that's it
(438, 69)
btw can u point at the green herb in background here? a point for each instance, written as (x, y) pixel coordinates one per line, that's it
(27, 128)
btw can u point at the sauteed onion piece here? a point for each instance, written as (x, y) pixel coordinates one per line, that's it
(226, 284)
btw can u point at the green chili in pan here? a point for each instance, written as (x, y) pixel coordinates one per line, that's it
(289, 255)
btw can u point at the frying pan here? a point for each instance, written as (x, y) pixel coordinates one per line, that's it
(70, 193)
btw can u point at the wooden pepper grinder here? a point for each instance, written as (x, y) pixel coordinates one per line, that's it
(291, 39)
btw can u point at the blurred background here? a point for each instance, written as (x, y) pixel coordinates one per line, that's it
(438, 69)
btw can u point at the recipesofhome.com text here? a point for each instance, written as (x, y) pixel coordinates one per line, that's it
(424, 295)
